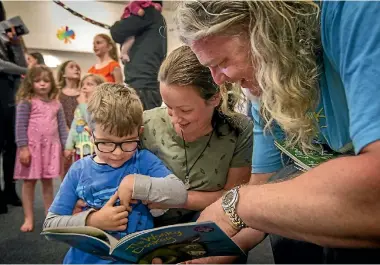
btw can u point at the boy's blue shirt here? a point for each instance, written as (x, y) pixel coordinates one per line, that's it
(348, 112)
(95, 184)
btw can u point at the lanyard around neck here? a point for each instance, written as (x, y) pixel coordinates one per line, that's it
(200, 155)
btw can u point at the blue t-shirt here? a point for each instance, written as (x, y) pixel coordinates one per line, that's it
(348, 112)
(95, 184)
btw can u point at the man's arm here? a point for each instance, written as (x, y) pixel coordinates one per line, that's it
(335, 204)
(199, 200)
(260, 178)
(131, 26)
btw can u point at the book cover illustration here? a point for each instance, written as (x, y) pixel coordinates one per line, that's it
(173, 244)
(305, 161)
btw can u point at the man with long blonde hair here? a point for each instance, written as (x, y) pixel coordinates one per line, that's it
(315, 68)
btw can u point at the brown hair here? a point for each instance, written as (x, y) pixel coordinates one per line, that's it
(116, 108)
(26, 91)
(113, 52)
(181, 67)
(61, 80)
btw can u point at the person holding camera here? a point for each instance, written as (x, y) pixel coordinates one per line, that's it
(12, 66)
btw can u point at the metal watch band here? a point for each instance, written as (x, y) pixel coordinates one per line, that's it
(235, 219)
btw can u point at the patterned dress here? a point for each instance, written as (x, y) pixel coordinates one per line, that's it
(69, 104)
(43, 122)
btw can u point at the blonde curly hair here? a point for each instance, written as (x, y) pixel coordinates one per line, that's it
(284, 38)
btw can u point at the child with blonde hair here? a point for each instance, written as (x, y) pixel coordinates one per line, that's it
(40, 135)
(108, 65)
(78, 141)
(117, 173)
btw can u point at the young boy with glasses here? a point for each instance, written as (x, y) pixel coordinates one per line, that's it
(116, 174)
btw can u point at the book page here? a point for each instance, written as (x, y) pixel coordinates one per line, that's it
(305, 161)
(176, 243)
(85, 230)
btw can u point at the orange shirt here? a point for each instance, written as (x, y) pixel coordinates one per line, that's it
(106, 71)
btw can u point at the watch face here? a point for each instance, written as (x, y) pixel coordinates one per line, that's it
(229, 199)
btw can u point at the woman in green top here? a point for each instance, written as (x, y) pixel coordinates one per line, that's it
(198, 134)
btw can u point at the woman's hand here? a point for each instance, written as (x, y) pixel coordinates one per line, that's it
(214, 260)
(109, 217)
(208, 260)
(24, 156)
(125, 191)
(157, 261)
(215, 213)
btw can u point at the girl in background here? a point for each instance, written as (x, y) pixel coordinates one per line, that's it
(34, 58)
(40, 135)
(108, 65)
(78, 140)
(12, 67)
(68, 79)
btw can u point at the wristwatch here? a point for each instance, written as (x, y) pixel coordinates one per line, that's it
(229, 203)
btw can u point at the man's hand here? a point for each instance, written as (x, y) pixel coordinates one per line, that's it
(215, 213)
(24, 156)
(109, 217)
(125, 191)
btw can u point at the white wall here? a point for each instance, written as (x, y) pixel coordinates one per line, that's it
(85, 60)
(173, 39)
(44, 18)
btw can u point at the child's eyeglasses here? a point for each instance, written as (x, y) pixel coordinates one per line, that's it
(109, 147)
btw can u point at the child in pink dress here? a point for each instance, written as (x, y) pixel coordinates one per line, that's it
(40, 137)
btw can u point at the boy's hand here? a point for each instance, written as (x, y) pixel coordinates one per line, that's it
(25, 156)
(109, 217)
(125, 191)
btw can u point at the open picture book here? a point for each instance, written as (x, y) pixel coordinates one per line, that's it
(304, 161)
(173, 244)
